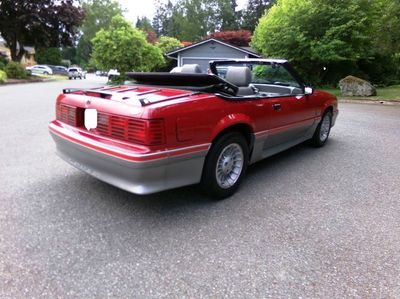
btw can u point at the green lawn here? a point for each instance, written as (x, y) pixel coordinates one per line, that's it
(52, 77)
(389, 93)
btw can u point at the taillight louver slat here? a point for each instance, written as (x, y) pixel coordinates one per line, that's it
(72, 116)
(139, 131)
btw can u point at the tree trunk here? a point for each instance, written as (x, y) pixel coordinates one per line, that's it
(16, 52)
(12, 43)
(21, 53)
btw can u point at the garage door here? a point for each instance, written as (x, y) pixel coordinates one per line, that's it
(202, 62)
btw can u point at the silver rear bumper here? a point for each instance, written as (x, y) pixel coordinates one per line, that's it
(139, 177)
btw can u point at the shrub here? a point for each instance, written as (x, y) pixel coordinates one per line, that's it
(15, 70)
(3, 62)
(48, 56)
(3, 76)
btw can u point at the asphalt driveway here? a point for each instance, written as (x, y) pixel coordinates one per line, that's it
(311, 223)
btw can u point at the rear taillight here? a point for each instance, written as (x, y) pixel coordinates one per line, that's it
(139, 131)
(70, 115)
(132, 130)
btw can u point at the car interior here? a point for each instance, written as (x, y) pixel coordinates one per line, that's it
(235, 80)
(254, 80)
(260, 79)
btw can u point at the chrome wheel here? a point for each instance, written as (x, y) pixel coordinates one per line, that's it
(229, 165)
(325, 128)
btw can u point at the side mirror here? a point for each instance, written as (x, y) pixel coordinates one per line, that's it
(308, 90)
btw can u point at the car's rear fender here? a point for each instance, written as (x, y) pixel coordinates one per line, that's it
(235, 122)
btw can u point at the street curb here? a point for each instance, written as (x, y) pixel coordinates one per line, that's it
(372, 102)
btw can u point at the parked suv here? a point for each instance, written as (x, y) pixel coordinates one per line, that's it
(76, 72)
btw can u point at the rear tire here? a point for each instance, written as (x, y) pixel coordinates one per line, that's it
(321, 134)
(225, 165)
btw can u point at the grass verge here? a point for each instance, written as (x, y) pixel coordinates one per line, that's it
(51, 77)
(389, 93)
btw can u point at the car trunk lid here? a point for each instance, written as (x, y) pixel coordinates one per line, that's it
(133, 95)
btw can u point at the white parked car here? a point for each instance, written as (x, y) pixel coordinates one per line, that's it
(40, 69)
(112, 73)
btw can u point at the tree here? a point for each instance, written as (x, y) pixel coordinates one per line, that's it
(167, 44)
(69, 54)
(48, 56)
(144, 24)
(41, 23)
(124, 48)
(162, 16)
(227, 15)
(254, 11)
(387, 27)
(98, 15)
(192, 19)
(240, 38)
(326, 40)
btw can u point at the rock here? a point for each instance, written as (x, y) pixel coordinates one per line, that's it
(353, 86)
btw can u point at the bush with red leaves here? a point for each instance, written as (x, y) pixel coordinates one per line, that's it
(240, 38)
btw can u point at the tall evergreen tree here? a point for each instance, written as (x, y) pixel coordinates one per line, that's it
(254, 11)
(192, 19)
(227, 15)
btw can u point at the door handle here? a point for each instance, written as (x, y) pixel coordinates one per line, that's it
(277, 107)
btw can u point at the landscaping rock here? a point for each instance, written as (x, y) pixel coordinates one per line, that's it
(353, 86)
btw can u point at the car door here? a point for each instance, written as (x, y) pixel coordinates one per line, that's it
(290, 113)
(289, 118)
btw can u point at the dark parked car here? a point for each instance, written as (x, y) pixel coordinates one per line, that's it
(59, 70)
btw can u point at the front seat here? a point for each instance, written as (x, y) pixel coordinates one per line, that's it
(191, 69)
(241, 77)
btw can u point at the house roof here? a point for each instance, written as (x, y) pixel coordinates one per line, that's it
(28, 49)
(247, 50)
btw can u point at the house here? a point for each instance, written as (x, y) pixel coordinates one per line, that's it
(28, 59)
(211, 49)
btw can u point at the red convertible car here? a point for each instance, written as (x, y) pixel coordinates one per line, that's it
(167, 130)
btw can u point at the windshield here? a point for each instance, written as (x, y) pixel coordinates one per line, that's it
(261, 73)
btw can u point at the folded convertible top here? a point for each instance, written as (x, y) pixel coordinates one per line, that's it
(180, 79)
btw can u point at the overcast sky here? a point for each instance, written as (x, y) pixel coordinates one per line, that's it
(140, 8)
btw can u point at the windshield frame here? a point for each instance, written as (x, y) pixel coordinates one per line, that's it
(283, 63)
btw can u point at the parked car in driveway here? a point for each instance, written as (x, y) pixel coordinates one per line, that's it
(40, 69)
(101, 73)
(169, 130)
(112, 73)
(75, 73)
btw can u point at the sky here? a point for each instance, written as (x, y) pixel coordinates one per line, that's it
(141, 8)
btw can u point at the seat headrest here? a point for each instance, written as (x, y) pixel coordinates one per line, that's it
(238, 75)
(191, 69)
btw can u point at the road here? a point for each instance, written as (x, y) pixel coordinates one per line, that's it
(311, 223)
